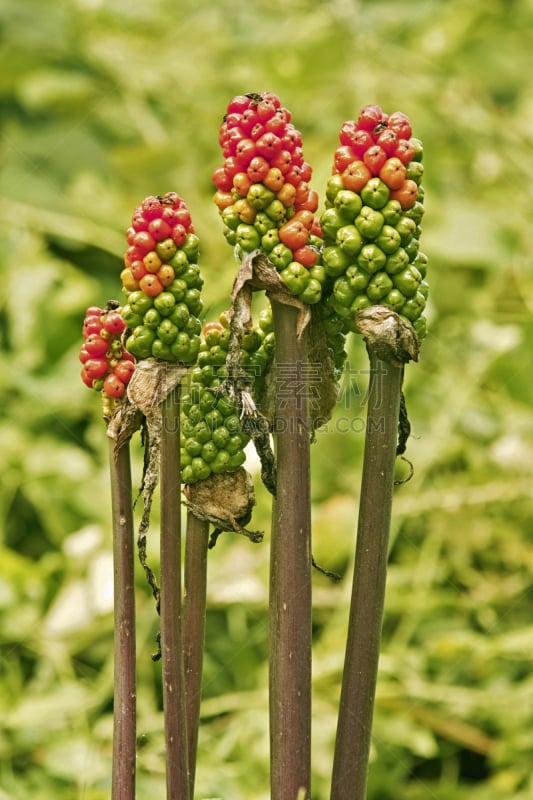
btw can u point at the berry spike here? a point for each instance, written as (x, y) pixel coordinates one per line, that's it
(263, 194)
(162, 281)
(107, 366)
(371, 225)
(212, 437)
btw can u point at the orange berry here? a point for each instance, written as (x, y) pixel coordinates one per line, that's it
(151, 285)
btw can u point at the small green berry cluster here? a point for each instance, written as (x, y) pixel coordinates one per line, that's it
(212, 438)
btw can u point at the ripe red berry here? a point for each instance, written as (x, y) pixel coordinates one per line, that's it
(388, 141)
(124, 370)
(344, 155)
(138, 221)
(399, 123)
(404, 151)
(88, 381)
(151, 207)
(159, 229)
(113, 386)
(96, 346)
(91, 324)
(361, 141)
(96, 367)
(239, 104)
(144, 242)
(369, 117)
(374, 158)
(113, 323)
(249, 119)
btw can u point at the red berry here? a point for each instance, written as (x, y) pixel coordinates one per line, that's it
(239, 104)
(258, 168)
(114, 323)
(294, 175)
(183, 217)
(344, 155)
(96, 367)
(232, 121)
(388, 141)
(374, 158)
(138, 221)
(399, 123)
(144, 242)
(85, 378)
(170, 215)
(249, 119)
(361, 141)
(94, 311)
(151, 207)
(276, 123)
(282, 161)
(268, 146)
(84, 356)
(173, 200)
(91, 324)
(347, 132)
(234, 136)
(138, 270)
(404, 151)
(159, 229)
(292, 138)
(231, 167)
(113, 386)
(179, 234)
(369, 117)
(272, 98)
(96, 346)
(266, 109)
(307, 171)
(124, 370)
(306, 256)
(297, 156)
(221, 180)
(257, 131)
(246, 150)
(133, 254)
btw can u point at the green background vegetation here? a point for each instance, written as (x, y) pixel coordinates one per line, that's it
(102, 103)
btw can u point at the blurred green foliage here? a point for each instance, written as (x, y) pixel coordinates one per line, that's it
(104, 103)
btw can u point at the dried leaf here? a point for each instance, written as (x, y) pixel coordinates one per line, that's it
(126, 419)
(225, 500)
(387, 335)
(152, 382)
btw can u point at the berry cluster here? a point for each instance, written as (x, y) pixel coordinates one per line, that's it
(107, 366)
(212, 439)
(263, 193)
(162, 281)
(371, 225)
(335, 332)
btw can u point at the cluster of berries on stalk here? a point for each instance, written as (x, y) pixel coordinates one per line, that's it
(371, 225)
(162, 281)
(107, 366)
(263, 193)
(212, 438)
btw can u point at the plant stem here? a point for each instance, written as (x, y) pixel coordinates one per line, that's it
(290, 570)
(124, 701)
(194, 609)
(170, 602)
(352, 747)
